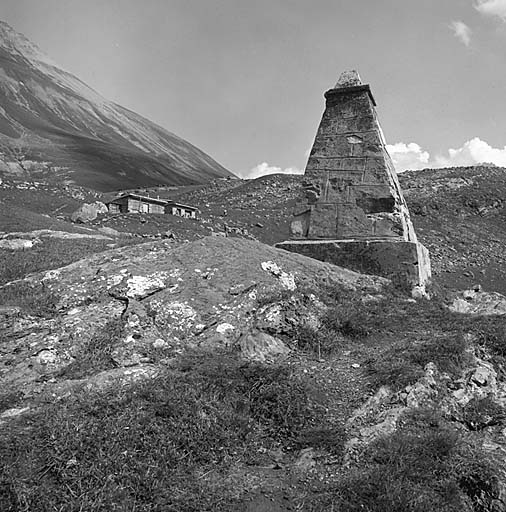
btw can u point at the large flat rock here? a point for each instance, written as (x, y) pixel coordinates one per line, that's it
(215, 292)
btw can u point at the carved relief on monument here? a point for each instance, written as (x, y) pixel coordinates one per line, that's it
(351, 189)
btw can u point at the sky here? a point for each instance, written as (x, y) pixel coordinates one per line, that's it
(244, 79)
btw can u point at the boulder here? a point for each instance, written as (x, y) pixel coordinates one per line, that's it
(100, 207)
(16, 244)
(262, 347)
(88, 212)
(477, 302)
(207, 293)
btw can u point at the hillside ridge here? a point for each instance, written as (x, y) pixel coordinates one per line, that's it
(49, 115)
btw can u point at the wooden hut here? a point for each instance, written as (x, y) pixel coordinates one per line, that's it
(129, 203)
(181, 210)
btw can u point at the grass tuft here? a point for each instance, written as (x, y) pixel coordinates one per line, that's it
(34, 299)
(402, 363)
(95, 355)
(482, 413)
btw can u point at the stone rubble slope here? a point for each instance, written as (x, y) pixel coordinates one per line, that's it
(480, 381)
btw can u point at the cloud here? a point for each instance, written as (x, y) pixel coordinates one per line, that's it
(264, 168)
(492, 8)
(408, 156)
(461, 31)
(474, 151)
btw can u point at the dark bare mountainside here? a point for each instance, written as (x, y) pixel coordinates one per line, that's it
(53, 126)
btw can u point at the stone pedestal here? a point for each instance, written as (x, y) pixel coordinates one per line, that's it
(407, 264)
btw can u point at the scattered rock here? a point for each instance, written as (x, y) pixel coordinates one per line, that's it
(305, 462)
(12, 413)
(262, 347)
(287, 280)
(109, 231)
(16, 244)
(476, 302)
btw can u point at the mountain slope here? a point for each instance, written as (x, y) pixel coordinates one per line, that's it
(47, 114)
(459, 214)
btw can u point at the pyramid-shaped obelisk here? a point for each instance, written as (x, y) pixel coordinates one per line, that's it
(351, 188)
(353, 212)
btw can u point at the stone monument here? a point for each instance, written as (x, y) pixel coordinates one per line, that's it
(354, 214)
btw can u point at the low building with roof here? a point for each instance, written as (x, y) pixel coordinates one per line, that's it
(181, 210)
(135, 203)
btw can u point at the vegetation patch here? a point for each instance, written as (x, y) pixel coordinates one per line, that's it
(402, 362)
(425, 465)
(154, 446)
(479, 414)
(95, 355)
(34, 299)
(490, 333)
(49, 254)
(321, 343)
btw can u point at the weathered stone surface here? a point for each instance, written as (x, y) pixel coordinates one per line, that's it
(380, 414)
(405, 263)
(207, 293)
(350, 181)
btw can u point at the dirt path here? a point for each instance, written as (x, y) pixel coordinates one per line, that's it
(341, 385)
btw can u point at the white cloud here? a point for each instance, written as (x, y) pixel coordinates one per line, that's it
(492, 8)
(461, 31)
(264, 168)
(474, 151)
(408, 156)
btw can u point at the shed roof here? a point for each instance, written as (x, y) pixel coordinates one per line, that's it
(180, 205)
(146, 199)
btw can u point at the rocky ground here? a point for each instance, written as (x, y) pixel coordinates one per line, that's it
(148, 365)
(460, 214)
(296, 370)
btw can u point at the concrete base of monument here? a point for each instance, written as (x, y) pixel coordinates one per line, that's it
(407, 264)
